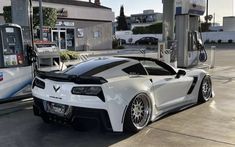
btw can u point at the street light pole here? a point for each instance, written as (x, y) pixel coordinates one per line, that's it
(41, 19)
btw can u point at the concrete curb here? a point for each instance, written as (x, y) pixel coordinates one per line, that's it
(11, 107)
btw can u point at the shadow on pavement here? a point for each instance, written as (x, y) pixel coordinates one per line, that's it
(23, 129)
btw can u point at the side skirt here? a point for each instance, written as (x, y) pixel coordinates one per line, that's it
(175, 110)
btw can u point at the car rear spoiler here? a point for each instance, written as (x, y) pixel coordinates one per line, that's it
(61, 77)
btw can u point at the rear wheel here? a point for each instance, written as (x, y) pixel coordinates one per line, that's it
(46, 119)
(138, 113)
(205, 90)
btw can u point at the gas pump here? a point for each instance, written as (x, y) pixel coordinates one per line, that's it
(190, 45)
(12, 50)
(15, 65)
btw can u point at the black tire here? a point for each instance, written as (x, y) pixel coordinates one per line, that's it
(130, 117)
(46, 119)
(205, 90)
(79, 125)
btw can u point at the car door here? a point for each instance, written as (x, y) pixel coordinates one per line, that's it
(169, 92)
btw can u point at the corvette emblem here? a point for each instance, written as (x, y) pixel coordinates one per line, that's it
(56, 88)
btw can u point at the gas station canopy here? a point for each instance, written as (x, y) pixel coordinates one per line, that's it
(191, 7)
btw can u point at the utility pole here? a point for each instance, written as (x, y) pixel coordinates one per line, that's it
(41, 19)
(214, 20)
(207, 12)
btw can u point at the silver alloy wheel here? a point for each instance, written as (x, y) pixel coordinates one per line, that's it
(140, 111)
(206, 88)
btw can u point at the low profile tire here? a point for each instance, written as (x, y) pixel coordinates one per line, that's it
(205, 91)
(138, 113)
(46, 119)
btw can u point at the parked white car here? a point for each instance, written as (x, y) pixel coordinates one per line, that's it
(124, 93)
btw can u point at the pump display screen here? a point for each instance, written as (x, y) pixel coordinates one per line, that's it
(9, 30)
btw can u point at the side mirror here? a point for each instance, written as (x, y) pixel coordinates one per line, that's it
(180, 73)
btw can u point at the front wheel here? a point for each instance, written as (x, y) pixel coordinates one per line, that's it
(138, 113)
(205, 90)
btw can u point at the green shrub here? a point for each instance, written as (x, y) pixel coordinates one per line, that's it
(152, 29)
(69, 55)
(207, 41)
(64, 56)
(230, 41)
(72, 55)
(213, 41)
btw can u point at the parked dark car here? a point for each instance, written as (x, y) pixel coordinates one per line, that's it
(147, 41)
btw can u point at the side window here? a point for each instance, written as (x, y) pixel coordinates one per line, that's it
(154, 69)
(136, 69)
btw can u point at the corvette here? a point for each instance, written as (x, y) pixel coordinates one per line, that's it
(123, 93)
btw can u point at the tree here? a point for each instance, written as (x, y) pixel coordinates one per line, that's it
(7, 14)
(122, 24)
(49, 16)
(152, 29)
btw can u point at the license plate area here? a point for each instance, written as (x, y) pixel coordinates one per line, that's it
(57, 109)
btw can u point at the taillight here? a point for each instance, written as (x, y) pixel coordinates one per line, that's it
(89, 91)
(38, 83)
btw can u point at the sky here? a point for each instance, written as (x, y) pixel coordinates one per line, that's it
(219, 7)
(133, 6)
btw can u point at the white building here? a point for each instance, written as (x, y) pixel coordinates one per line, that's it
(221, 8)
(82, 24)
(147, 18)
(229, 24)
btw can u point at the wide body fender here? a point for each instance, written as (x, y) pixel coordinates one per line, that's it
(119, 93)
(199, 74)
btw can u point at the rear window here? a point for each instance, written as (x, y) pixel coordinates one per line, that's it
(93, 67)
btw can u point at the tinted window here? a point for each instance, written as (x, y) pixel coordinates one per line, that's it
(136, 69)
(93, 67)
(154, 69)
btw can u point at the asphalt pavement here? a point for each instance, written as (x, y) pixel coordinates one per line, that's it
(207, 125)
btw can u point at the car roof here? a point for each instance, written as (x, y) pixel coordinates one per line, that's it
(98, 65)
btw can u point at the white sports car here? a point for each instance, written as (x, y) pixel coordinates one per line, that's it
(123, 93)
